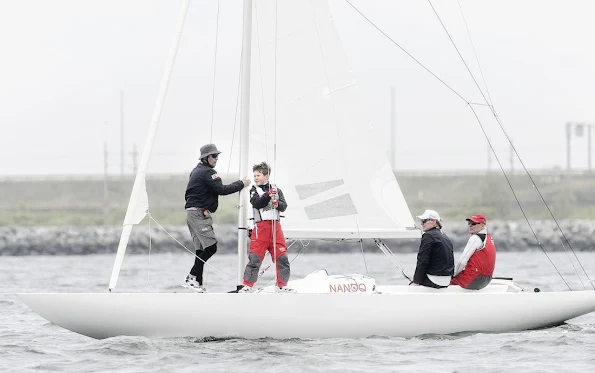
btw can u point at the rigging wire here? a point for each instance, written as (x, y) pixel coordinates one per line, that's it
(488, 101)
(405, 51)
(291, 261)
(262, 271)
(275, 145)
(211, 131)
(392, 257)
(235, 116)
(190, 251)
(475, 54)
(264, 123)
(533, 183)
(361, 245)
(275, 88)
(150, 247)
(214, 72)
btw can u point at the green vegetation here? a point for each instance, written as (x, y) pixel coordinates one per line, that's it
(79, 201)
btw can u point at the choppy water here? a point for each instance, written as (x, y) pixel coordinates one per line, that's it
(28, 343)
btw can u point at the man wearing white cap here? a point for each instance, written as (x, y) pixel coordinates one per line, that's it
(435, 259)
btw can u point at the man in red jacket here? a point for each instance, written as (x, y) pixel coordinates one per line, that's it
(475, 267)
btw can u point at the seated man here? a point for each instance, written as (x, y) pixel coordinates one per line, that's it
(435, 259)
(475, 267)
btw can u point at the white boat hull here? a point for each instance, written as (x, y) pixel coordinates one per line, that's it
(259, 315)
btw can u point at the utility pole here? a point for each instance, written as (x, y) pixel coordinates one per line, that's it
(393, 128)
(579, 130)
(589, 146)
(568, 145)
(105, 159)
(134, 157)
(121, 133)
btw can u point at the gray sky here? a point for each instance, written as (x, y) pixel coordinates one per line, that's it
(64, 64)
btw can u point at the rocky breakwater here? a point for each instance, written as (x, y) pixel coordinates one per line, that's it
(509, 236)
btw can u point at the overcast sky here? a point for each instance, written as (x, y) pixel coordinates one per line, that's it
(64, 64)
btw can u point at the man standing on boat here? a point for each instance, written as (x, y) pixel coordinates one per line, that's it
(435, 259)
(267, 204)
(475, 267)
(202, 199)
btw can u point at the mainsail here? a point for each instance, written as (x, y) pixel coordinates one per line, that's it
(330, 160)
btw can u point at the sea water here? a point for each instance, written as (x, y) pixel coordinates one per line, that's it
(28, 343)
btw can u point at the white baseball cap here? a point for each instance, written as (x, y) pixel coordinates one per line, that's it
(429, 214)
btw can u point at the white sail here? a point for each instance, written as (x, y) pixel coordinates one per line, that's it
(330, 162)
(138, 206)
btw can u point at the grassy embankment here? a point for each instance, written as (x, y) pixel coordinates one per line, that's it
(80, 202)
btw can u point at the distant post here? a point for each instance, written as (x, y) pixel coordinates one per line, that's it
(589, 146)
(579, 130)
(393, 128)
(105, 188)
(122, 133)
(568, 132)
(134, 157)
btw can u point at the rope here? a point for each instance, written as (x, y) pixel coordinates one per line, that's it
(470, 105)
(517, 155)
(149, 259)
(361, 245)
(235, 120)
(275, 92)
(291, 261)
(392, 257)
(214, 71)
(269, 266)
(191, 252)
(266, 143)
(475, 53)
(275, 252)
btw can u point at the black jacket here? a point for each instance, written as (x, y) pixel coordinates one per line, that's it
(435, 256)
(205, 187)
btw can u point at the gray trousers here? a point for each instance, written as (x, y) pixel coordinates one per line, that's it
(201, 229)
(203, 238)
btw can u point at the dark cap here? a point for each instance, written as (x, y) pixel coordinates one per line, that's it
(207, 150)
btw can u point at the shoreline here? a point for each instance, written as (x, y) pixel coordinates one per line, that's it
(508, 235)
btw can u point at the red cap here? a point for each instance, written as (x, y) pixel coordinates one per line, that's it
(477, 218)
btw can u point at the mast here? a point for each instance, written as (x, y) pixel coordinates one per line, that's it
(138, 206)
(244, 136)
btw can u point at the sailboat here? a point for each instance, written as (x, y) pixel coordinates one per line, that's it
(317, 102)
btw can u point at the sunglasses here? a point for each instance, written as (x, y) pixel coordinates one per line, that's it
(472, 223)
(215, 156)
(423, 221)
